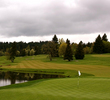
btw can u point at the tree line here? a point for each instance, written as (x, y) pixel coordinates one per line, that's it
(55, 48)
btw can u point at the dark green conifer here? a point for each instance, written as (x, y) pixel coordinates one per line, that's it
(12, 52)
(104, 37)
(36, 50)
(105, 40)
(98, 45)
(68, 53)
(55, 40)
(79, 54)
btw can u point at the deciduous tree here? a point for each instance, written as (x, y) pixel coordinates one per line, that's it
(23, 52)
(49, 49)
(32, 52)
(61, 41)
(62, 49)
(74, 46)
(106, 46)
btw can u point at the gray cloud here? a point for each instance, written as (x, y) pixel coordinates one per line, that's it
(34, 18)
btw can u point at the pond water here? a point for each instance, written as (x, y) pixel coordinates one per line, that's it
(8, 78)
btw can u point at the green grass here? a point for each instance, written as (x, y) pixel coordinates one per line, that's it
(97, 65)
(97, 59)
(90, 87)
(90, 59)
(60, 89)
(65, 73)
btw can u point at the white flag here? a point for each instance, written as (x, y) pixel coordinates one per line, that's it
(79, 73)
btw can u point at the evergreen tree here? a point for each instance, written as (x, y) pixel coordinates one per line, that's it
(98, 45)
(55, 40)
(36, 50)
(104, 37)
(79, 54)
(105, 40)
(68, 53)
(12, 52)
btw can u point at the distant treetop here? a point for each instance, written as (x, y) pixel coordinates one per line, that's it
(104, 37)
(55, 39)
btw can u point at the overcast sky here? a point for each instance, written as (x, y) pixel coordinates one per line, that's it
(35, 20)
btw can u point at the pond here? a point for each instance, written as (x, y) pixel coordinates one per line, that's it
(9, 77)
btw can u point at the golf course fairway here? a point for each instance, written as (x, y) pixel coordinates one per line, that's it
(96, 87)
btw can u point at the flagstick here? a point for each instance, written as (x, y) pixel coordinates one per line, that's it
(78, 81)
(79, 74)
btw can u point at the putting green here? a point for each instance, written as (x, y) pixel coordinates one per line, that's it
(61, 89)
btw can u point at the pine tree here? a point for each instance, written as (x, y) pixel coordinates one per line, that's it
(12, 52)
(36, 50)
(98, 45)
(104, 40)
(104, 37)
(55, 40)
(79, 54)
(68, 53)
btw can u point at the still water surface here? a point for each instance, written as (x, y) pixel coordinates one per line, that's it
(4, 82)
(8, 78)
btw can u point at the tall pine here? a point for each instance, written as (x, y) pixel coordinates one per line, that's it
(12, 52)
(104, 37)
(105, 42)
(98, 45)
(68, 53)
(79, 54)
(55, 40)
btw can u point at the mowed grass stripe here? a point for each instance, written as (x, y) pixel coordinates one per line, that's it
(20, 65)
(97, 70)
(27, 65)
(37, 64)
(32, 63)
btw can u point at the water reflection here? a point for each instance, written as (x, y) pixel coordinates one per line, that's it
(7, 78)
(4, 82)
